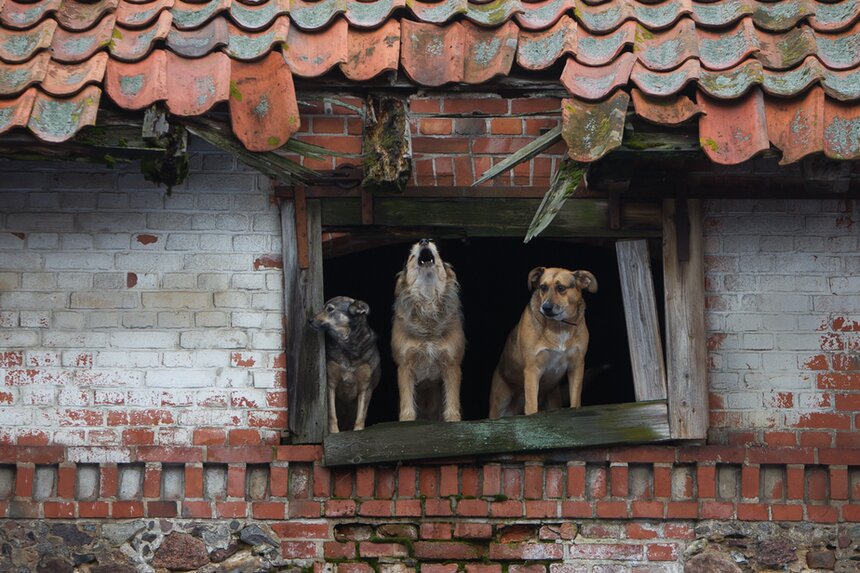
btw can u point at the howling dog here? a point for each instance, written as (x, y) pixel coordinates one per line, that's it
(427, 339)
(352, 360)
(550, 340)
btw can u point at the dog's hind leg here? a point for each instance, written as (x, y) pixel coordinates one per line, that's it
(406, 384)
(451, 377)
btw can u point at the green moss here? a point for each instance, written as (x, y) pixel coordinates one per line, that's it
(709, 143)
(234, 91)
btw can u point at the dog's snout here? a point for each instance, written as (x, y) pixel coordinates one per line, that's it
(547, 308)
(424, 242)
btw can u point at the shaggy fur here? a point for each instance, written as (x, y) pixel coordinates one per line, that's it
(549, 341)
(352, 361)
(427, 339)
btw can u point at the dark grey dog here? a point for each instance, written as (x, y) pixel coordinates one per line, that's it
(352, 360)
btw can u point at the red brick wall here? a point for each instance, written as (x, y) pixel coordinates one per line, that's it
(632, 506)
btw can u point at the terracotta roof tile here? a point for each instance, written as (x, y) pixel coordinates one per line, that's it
(131, 45)
(194, 86)
(67, 79)
(137, 85)
(592, 130)
(57, 119)
(131, 15)
(664, 111)
(74, 47)
(199, 42)
(747, 63)
(21, 15)
(262, 109)
(79, 16)
(733, 131)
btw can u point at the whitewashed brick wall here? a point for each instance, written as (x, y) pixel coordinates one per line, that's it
(132, 316)
(783, 317)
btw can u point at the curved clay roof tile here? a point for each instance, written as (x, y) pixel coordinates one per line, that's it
(595, 83)
(733, 131)
(310, 55)
(672, 110)
(58, 119)
(834, 17)
(592, 130)
(19, 46)
(188, 15)
(15, 78)
(666, 50)
(79, 16)
(134, 45)
(259, 17)
(67, 79)
(131, 15)
(140, 84)
(74, 47)
(663, 84)
(194, 86)
(540, 50)
(199, 42)
(840, 51)
(371, 52)
(248, 46)
(724, 50)
(263, 108)
(16, 112)
(542, 14)
(23, 15)
(796, 127)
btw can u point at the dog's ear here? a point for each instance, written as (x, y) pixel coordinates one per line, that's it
(585, 281)
(449, 269)
(399, 282)
(359, 307)
(534, 277)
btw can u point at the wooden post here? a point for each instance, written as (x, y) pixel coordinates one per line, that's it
(643, 327)
(686, 357)
(303, 296)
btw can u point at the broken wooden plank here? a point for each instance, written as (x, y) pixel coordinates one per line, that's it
(643, 326)
(686, 358)
(564, 183)
(524, 154)
(635, 423)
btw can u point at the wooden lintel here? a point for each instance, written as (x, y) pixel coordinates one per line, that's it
(635, 423)
(301, 214)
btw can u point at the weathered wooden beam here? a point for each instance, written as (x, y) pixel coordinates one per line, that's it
(636, 423)
(303, 295)
(643, 325)
(510, 217)
(387, 145)
(686, 358)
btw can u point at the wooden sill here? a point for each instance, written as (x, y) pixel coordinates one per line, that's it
(633, 423)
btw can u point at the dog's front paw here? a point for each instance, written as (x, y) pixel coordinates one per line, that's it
(333, 429)
(359, 427)
(407, 415)
(451, 416)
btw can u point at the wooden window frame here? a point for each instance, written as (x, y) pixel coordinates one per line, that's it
(671, 395)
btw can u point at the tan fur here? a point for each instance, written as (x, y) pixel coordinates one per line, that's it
(427, 339)
(544, 346)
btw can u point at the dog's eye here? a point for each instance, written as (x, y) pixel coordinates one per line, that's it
(544, 288)
(560, 289)
(329, 308)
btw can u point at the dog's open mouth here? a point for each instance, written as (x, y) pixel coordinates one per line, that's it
(426, 257)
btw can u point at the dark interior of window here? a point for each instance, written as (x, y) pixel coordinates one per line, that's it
(493, 278)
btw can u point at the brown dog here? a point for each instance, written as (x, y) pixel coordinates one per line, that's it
(550, 339)
(427, 340)
(352, 360)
